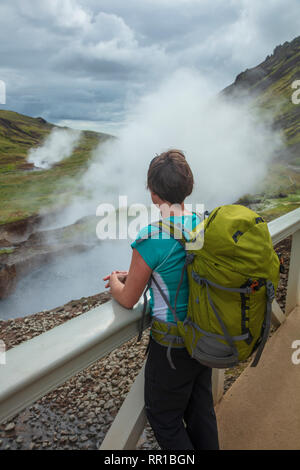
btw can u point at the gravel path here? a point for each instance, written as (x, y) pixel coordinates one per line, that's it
(78, 414)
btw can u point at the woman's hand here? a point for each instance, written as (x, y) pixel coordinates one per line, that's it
(121, 275)
(127, 287)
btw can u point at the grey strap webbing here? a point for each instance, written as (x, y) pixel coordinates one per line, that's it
(242, 337)
(173, 310)
(157, 224)
(169, 357)
(247, 290)
(224, 329)
(165, 298)
(267, 322)
(142, 324)
(187, 261)
(240, 290)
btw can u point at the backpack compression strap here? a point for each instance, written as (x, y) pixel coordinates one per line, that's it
(267, 322)
(270, 291)
(142, 323)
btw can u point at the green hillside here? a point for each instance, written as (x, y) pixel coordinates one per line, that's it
(270, 86)
(268, 89)
(24, 192)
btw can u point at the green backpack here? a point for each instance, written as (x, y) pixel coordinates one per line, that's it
(233, 276)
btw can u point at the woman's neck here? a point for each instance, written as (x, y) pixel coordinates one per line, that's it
(168, 210)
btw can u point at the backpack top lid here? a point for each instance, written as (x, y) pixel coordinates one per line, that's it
(238, 239)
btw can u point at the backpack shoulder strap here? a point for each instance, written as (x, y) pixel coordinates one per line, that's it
(172, 230)
(179, 232)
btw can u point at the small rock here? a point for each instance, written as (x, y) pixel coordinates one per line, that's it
(10, 427)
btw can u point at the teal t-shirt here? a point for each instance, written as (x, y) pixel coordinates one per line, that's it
(166, 257)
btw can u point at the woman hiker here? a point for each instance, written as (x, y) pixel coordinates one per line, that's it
(178, 391)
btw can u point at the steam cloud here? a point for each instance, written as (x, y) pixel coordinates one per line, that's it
(58, 145)
(228, 145)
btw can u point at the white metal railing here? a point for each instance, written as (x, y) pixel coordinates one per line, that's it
(41, 364)
(44, 362)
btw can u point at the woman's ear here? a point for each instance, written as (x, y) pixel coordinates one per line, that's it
(155, 198)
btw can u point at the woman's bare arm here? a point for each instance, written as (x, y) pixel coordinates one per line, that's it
(129, 293)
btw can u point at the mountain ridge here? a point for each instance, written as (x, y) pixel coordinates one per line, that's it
(269, 86)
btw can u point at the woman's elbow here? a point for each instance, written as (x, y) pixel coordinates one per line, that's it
(128, 303)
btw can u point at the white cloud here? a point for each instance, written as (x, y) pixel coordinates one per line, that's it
(87, 52)
(61, 13)
(110, 27)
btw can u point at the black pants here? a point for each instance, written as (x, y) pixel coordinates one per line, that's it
(172, 396)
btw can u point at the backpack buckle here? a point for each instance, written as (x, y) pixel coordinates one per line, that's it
(281, 265)
(189, 258)
(254, 286)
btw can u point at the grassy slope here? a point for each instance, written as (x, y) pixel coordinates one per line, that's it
(278, 98)
(24, 193)
(269, 84)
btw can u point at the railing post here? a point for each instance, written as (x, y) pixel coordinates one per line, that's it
(130, 421)
(278, 316)
(218, 379)
(293, 289)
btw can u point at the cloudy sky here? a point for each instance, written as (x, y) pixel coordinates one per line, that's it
(83, 62)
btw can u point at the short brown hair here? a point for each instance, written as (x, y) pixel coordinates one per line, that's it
(170, 176)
